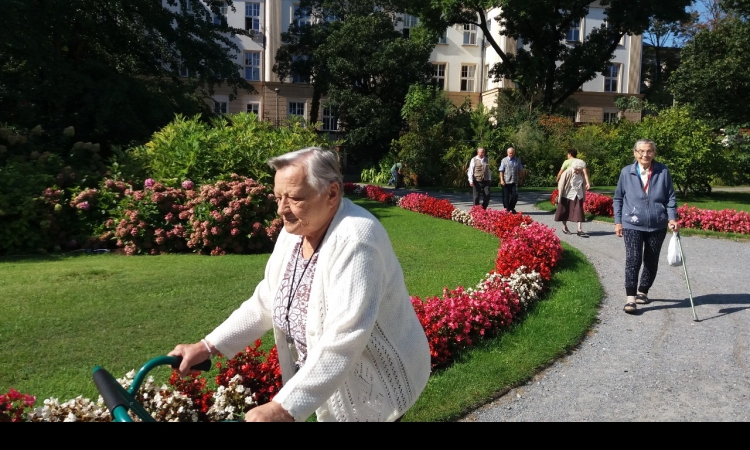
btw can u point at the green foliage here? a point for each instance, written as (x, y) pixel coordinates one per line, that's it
(203, 152)
(36, 167)
(539, 153)
(606, 150)
(713, 76)
(362, 65)
(688, 146)
(456, 164)
(425, 106)
(111, 68)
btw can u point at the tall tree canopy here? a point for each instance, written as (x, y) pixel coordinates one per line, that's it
(547, 69)
(111, 68)
(354, 57)
(713, 75)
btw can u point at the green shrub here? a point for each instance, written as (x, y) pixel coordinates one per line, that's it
(204, 152)
(36, 167)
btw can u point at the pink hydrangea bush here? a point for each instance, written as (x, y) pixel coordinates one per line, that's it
(236, 216)
(149, 221)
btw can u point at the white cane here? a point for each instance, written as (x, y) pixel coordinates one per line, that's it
(687, 280)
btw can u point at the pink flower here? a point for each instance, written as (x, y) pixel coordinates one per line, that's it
(83, 206)
(188, 185)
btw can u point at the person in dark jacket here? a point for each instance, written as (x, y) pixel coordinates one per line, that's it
(645, 206)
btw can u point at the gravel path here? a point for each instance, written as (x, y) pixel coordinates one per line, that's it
(658, 365)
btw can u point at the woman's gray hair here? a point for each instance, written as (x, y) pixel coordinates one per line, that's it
(322, 166)
(645, 141)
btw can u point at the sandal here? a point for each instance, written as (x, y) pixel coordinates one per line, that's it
(566, 231)
(630, 308)
(582, 234)
(642, 299)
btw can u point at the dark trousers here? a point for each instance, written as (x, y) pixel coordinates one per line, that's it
(641, 247)
(482, 189)
(510, 196)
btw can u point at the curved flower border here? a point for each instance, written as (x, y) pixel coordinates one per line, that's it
(527, 255)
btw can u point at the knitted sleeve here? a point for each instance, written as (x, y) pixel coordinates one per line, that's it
(254, 317)
(354, 291)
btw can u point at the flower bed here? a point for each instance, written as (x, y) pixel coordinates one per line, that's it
(528, 253)
(691, 217)
(725, 221)
(596, 204)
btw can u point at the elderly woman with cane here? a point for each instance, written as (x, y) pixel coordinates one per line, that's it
(350, 345)
(572, 187)
(645, 204)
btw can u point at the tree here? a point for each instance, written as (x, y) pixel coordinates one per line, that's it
(713, 76)
(688, 146)
(355, 57)
(111, 68)
(662, 43)
(547, 69)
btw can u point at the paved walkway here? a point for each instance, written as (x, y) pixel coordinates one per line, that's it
(658, 365)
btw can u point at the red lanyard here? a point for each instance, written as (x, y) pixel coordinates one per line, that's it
(650, 171)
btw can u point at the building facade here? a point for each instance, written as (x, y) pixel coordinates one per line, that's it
(461, 61)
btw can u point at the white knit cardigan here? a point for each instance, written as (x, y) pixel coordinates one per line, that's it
(368, 357)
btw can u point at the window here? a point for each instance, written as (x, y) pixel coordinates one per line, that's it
(298, 77)
(252, 66)
(184, 72)
(470, 34)
(438, 74)
(610, 117)
(444, 38)
(221, 18)
(297, 109)
(188, 7)
(409, 23)
(220, 107)
(574, 32)
(302, 17)
(622, 39)
(468, 74)
(254, 107)
(252, 17)
(489, 77)
(612, 78)
(330, 119)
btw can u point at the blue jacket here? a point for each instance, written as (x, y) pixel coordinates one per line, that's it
(635, 209)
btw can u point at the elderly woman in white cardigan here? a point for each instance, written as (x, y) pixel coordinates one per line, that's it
(350, 345)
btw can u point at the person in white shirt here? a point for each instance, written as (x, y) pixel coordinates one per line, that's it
(350, 345)
(480, 177)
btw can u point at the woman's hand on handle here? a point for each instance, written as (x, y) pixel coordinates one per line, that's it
(674, 226)
(192, 354)
(270, 412)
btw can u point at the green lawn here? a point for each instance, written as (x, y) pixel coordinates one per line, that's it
(64, 315)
